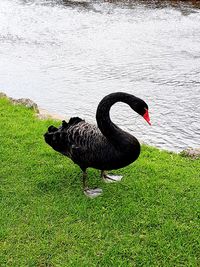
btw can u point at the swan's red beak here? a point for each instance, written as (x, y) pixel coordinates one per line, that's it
(146, 117)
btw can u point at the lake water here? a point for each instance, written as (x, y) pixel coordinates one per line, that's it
(66, 57)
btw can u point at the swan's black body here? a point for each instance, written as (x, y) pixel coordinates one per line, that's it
(105, 147)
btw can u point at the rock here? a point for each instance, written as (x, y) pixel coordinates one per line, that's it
(40, 113)
(2, 95)
(193, 153)
(43, 114)
(26, 102)
(21, 101)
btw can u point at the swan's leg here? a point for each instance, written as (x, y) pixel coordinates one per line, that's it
(84, 180)
(108, 178)
(89, 192)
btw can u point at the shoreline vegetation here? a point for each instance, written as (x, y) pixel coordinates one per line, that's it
(159, 3)
(148, 3)
(151, 218)
(40, 112)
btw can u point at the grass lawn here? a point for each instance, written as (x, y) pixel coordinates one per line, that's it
(151, 218)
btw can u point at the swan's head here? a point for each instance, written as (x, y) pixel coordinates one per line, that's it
(142, 109)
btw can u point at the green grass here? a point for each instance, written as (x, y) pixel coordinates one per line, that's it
(151, 218)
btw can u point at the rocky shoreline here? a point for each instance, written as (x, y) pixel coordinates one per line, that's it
(43, 114)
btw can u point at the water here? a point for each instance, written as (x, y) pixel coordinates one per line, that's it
(66, 57)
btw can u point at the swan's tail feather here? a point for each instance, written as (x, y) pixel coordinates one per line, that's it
(72, 121)
(63, 138)
(52, 129)
(75, 120)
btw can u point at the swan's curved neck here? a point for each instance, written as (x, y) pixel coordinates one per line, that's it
(106, 126)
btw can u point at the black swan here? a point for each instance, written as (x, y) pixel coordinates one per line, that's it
(106, 147)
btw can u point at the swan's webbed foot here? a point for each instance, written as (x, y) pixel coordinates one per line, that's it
(90, 192)
(108, 178)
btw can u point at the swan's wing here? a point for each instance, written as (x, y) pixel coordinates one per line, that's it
(78, 140)
(82, 135)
